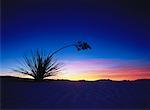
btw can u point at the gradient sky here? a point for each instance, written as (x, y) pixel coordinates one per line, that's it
(117, 30)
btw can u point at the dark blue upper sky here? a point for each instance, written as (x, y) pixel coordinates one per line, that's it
(114, 28)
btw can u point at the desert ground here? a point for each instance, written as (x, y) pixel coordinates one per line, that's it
(17, 93)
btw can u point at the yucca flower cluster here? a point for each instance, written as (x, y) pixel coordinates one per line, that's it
(82, 45)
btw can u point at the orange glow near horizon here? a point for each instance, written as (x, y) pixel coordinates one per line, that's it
(92, 76)
(97, 69)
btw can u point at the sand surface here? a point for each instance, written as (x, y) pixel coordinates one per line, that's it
(18, 93)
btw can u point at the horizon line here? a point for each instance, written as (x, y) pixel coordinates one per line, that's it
(74, 79)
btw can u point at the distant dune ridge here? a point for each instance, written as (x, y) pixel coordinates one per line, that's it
(20, 93)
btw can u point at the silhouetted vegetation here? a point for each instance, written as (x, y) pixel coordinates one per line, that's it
(40, 66)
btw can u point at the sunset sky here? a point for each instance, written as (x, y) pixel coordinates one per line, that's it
(117, 30)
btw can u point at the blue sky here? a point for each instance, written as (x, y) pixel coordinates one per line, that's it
(115, 29)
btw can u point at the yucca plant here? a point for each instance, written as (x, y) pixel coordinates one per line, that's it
(40, 66)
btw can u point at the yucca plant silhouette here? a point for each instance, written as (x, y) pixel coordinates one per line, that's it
(40, 66)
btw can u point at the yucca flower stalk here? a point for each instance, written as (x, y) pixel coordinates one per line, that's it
(79, 46)
(40, 66)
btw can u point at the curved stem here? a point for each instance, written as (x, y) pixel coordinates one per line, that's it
(61, 49)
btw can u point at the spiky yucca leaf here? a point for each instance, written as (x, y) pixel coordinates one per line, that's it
(39, 66)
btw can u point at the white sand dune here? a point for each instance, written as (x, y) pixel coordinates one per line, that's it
(18, 93)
